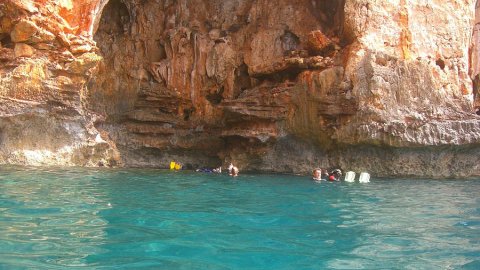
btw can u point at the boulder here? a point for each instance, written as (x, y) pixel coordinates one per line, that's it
(23, 50)
(42, 36)
(81, 48)
(43, 46)
(6, 24)
(6, 54)
(27, 5)
(23, 31)
(84, 63)
(319, 43)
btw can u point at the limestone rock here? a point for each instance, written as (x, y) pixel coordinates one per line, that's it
(64, 39)
(381, 86)
(23, 50)
(6, 55)
(84, 63)
(43, 36)
(318, 43)
(6, 24)
(27, 5)
(220, 60)
(43, 46)
(81, 48)
(23, 31)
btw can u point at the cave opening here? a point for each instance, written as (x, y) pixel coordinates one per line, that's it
(332, 15)
(242, 80)
(112, 26)
(111, 91)
(216, 97)
(6, 41)
(114, 20)
(290, 42)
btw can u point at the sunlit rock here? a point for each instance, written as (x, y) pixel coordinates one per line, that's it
(378, 86)
(23, 31)
(23, 50)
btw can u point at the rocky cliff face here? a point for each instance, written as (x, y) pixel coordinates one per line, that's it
(284, 86)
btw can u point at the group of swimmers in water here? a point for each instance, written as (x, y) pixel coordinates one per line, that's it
(232, 170)
(323, 175)
(317, 175)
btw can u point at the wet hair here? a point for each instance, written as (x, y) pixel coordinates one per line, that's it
(337, 171)
(234, 171)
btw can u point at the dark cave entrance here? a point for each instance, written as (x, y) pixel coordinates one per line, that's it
(111, 91)
(128, 54)
(331, 13)
(6, 41)
(114, 20)
(132, 37)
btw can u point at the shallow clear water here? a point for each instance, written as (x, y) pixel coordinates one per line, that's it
(151, 219)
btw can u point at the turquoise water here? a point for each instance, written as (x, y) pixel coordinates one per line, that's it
(151, 219)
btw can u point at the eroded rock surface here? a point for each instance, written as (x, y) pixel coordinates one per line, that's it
(280, 86)
(43, 117)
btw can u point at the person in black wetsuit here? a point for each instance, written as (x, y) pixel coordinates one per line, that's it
(208, 170)
(335, 175)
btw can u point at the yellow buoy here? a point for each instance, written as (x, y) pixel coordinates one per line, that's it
(175, 166)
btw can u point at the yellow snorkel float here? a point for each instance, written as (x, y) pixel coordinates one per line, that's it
(175, 166)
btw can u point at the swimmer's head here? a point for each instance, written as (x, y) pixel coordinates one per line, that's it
(234, 171)
(337, 172)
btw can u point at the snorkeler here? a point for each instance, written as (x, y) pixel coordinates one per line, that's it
(335, 175)
(232, 170)
(317, 175)
(204, 170)
(208, 170)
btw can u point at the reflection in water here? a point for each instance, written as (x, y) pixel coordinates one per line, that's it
(52, 214)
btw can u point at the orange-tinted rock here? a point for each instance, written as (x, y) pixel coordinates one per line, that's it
(43, 36)
(27, 5)
(207, 82)
(23, 31)
(6, 54)
(43, 46)
(84, 63)
(6, 25)
(318, 43)
(82, 48)
(23, 50)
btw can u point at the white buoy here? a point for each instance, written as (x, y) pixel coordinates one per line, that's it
(364, 177)
(350, 177)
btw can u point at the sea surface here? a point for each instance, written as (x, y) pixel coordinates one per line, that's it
(77, 218)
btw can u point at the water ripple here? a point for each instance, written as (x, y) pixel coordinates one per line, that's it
(76, 218)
